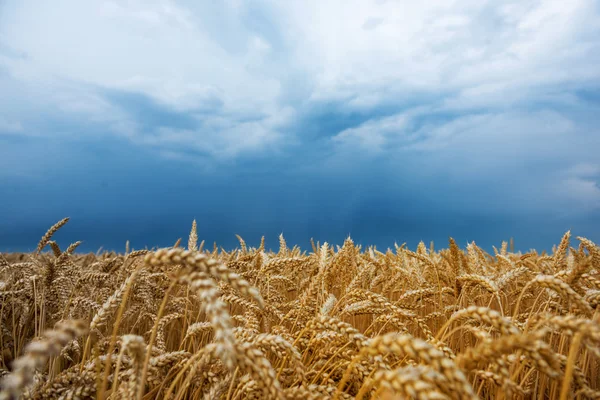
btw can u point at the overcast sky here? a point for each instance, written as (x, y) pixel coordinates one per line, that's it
(390, 121)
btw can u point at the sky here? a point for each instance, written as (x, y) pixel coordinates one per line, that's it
(386, 121)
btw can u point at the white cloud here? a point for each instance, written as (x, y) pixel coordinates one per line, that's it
(437, 46)
(222, 138)
(487, 139)
(157, 48)
(428, 45)
(465, 55)
(375, 134)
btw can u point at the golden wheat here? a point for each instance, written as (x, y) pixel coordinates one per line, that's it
(340, 322)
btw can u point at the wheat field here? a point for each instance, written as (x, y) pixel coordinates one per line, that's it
(335, 322)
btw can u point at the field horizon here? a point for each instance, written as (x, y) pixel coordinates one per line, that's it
(22, 238)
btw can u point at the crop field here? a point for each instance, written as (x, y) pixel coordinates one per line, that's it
(331, 322)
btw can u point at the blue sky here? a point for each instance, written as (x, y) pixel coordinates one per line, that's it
(391, 121)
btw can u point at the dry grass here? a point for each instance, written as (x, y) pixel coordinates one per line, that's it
(335, 323)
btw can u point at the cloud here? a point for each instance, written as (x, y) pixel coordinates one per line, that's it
(187, 54)
(433, 47)
(495, 97)
(375, 134)
(579, 185)
(219, 137)
(165, 53)
(537, 160)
